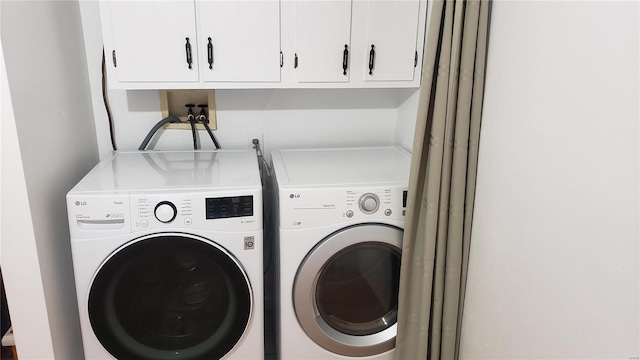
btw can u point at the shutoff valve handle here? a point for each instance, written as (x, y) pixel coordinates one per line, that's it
(190, 115)
(203, 113)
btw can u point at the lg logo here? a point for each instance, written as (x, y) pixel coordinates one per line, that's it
(294, 196)
(78, 203)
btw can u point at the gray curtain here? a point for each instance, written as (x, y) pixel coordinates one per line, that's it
(442, 182)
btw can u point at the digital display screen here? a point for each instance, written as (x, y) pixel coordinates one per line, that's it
(228, 207)
(404, 199)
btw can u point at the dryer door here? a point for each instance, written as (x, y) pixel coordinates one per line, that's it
(346, 290)
(170, 296)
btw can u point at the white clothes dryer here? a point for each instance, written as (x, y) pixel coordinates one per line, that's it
(167, 256)
(341, 219)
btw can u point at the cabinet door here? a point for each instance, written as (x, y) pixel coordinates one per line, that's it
(150, 40)
(239, 40)
(392, 30)
(323, 28)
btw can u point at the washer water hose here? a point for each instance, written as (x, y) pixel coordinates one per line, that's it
(205, 122)
(192, 120)
(156, 127)
(213, 137)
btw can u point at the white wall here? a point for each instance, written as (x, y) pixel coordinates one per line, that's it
(406, 124)
(554, 256)
(92, 36)
(48, 83)
(282, 118)
(19, 257)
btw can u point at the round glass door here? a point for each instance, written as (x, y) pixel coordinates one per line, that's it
(357, 290)
(170, 296)
(346, 290)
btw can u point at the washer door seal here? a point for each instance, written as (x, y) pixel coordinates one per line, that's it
(345, 293)
(174, 296)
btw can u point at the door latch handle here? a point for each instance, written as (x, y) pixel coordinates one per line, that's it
(187, 47)
(210, 54)
(372, 58)
(345, 59)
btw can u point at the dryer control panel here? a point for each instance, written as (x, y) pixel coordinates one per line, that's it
(366, 203)
(302, 208)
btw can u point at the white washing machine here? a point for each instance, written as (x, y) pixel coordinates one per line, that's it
(167, 255)
(341, 219)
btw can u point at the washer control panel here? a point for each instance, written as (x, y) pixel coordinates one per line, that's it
(120, 213)
(196, 210)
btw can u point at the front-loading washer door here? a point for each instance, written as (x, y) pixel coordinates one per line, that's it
(346, 290)
(170, 296)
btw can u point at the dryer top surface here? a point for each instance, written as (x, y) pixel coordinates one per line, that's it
(173, 170)
(342, 166)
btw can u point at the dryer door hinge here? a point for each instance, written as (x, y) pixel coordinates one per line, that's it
(415, 60)
(113, 57)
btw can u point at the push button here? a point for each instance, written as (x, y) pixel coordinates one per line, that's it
(249, 242)
(349, 214)
(387, 212)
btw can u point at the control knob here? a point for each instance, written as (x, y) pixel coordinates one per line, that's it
(165, 212)
(369, 203)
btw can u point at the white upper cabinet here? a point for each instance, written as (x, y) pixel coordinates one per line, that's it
(392, 33)
(322, 34)
(186, 44)
(232, 44)
(153, 41)
(239, 40)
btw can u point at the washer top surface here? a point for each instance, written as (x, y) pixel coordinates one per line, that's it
(340, 166)
(173, 170)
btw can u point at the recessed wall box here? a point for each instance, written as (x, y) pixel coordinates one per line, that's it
(172, 103)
